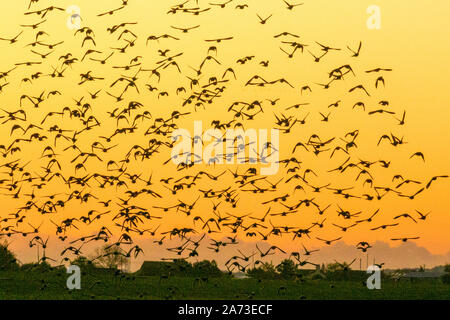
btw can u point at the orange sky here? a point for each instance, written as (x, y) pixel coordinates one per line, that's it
(412, 41)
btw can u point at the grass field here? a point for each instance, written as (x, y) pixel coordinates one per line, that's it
(52, 285)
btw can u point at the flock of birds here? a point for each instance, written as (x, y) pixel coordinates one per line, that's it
(96, 155)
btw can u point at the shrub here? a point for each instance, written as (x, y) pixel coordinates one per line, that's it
(266, 271)
(446, 278)
(182, 266)
(40, 267)
(84, 263)
(8, 260)
(111, 257)
(287, 269)
(206, 268)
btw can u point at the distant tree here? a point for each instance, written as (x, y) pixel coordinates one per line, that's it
(338, 266)
(287, 269)
(265, 271)
(8, 260)
(33, 266)
(206, 268)
(446, 276)
(183, 266)
(111, 257)
(269, 267)
(83, 263)
(333, 267)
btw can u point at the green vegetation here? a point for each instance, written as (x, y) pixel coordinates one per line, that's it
(446, 276)
(8, 260)
(52, 285)
(203, 280)
(180, 268)
(285, 281)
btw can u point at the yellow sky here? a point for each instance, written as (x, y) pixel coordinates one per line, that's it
(413, 41)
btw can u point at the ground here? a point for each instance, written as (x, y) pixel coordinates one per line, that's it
(52, 285)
